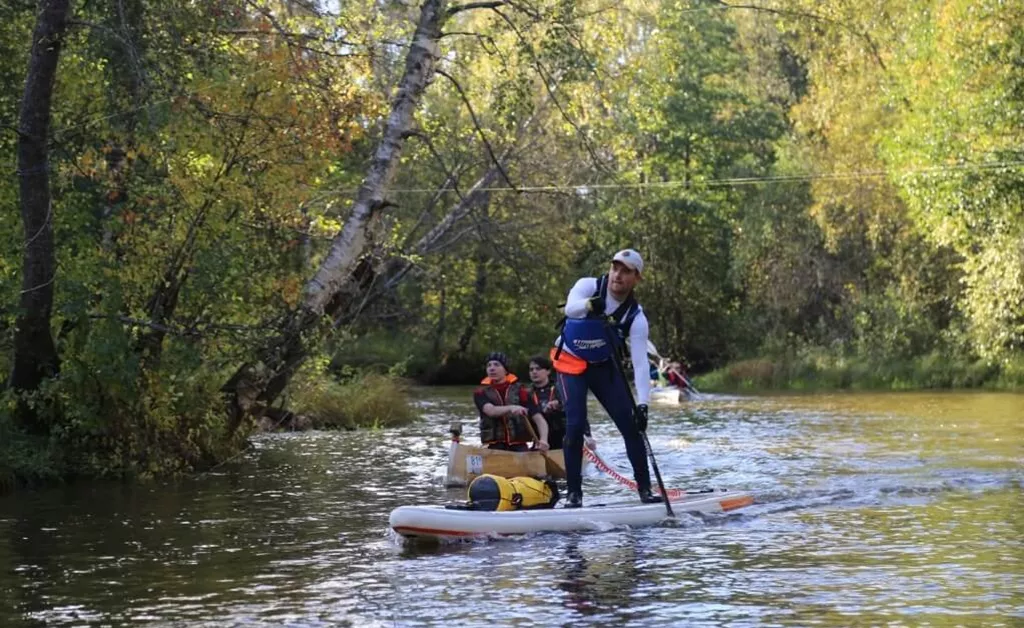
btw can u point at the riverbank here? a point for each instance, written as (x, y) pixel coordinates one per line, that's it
(822, 371)
(806, 368)
(321, 401)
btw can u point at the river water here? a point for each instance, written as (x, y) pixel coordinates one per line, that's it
(872, 509)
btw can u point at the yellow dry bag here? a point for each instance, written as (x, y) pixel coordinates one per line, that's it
(493, 492)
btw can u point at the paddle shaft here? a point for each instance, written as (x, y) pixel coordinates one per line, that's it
(533, 434)
(689, 384)
(632, 402)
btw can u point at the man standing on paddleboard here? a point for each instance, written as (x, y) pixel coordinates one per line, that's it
(600, 314)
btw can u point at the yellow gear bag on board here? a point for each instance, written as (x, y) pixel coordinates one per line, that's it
(493, 492)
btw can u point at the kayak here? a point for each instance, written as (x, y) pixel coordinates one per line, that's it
(441, 523)
(667, 395)
(467, 462)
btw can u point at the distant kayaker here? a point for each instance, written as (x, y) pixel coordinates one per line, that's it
(601, 313)
(657, 375)
(505, 406)
(677, 376)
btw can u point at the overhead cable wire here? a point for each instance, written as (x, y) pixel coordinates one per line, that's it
(583, 188)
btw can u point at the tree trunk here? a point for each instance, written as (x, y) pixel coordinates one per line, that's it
(127, 79)
(35, 356)
(475, 308)
(161, 305)
(255, 385)
(397, 268)
(483, 256)
(159, 309)
(434, 240)
(442, 315)
(347, 247)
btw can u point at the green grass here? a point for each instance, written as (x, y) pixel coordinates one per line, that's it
(818, 370)
(366, 400)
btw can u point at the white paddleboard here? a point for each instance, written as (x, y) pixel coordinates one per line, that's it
(440, 523)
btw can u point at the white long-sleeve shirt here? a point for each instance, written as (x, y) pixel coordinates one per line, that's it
(576, 307)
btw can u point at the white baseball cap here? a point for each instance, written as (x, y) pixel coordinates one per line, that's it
(630, 258)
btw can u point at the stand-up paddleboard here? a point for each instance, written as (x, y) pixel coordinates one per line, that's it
(441, 523)
(448, 523)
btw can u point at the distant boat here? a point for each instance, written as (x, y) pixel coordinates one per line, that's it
(668, 395)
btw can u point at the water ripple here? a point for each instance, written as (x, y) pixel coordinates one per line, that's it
(870, 509)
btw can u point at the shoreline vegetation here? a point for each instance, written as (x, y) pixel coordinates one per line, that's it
(819, 371)
(350, 398)
(347, 400)
(805, 368)
(357, 400)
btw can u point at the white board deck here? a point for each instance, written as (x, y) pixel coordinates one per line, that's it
(438, 522)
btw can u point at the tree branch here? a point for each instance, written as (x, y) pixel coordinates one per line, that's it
(451, 182)
(479, 130)
(547, 79)
(813, 16)
(469, 6)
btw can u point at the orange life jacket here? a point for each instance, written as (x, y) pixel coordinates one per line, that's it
(566, 363)
(509, 429)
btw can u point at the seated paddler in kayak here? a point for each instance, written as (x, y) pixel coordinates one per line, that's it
(677, 376)
(670, 373)
(506, 408)
(550, 403)
(657, 374)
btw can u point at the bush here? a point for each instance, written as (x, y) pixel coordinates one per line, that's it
(365, 399)
(105, 416)
(1012, 373)
(379, 352)
(25, 459)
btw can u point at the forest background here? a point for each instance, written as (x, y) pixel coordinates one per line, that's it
(214, 209)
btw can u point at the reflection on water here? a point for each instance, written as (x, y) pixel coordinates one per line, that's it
(598, 585)
(872, 509)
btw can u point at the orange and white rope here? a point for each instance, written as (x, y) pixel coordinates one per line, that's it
(604, 467)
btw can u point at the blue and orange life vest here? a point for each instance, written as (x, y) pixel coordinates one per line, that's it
(592, 339)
